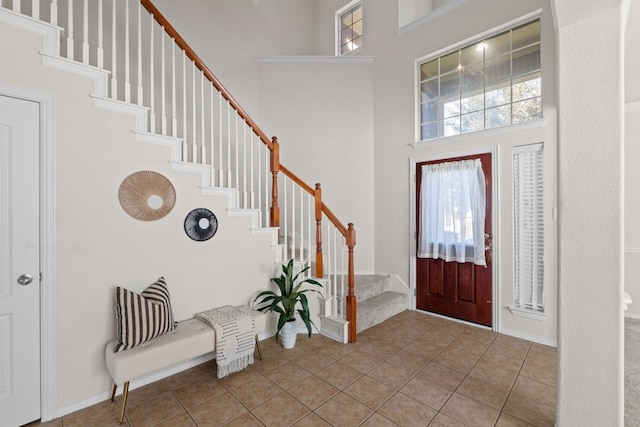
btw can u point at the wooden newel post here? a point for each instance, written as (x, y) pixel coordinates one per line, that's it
(274, 212)
(318, 211)
(351, 296)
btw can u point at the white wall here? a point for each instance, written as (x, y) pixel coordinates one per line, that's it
(229, 35)
(394, 130)
(100, 247)
(631, 161)
(324, 115)
(591, 212)
(632, 206)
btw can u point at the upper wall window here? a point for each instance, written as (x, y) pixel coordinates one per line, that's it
(491, 83)
(349, 28)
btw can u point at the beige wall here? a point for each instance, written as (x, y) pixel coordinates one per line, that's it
(100, 247)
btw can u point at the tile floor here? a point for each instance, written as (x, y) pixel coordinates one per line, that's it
(412, 370)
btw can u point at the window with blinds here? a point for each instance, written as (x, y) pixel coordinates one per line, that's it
(528, 291)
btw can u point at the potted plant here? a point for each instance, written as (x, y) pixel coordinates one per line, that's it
(290, 296)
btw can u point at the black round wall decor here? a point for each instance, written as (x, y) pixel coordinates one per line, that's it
(200, 224)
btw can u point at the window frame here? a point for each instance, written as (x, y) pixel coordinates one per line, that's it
(338, 27)
(508, 26)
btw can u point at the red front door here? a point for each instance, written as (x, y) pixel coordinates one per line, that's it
(459, 290)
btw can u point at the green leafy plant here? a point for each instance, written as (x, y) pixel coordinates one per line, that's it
(291, 293)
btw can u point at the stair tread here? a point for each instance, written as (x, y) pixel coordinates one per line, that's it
(379, 308)
(379, 299)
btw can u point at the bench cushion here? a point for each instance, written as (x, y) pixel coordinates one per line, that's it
(191, 338)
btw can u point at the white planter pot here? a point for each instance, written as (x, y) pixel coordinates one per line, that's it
(288, 334)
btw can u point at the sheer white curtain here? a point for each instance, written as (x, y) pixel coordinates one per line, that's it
(452, 211)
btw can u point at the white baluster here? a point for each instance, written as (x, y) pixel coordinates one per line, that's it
(212, 143)
(140, 91)
(85, 32)
(310, 225)
(152, 96)
(17, 6)
(114, 49)
(35, 9)
(203, 147)
(163, 84)
(185, 153)
(70, 30)
(237, 186)
(228, 177)
(283, 226)
(194, 144)
(53, 11)
(267, 180)
(100, 50)
(174, 112)
(244, 166)
(127, 74)
(302, 194)
(259, 176)
(220, 139)
(293, 221)
(251, 168)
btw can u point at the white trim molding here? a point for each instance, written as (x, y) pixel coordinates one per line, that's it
(48, 385)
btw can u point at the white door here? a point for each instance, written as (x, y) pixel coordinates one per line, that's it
(19, 262)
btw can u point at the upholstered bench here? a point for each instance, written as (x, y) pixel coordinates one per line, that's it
(191, 338)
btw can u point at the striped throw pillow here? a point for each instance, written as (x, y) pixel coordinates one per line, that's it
(142, 317)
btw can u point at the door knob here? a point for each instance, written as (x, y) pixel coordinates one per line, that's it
(25, 279)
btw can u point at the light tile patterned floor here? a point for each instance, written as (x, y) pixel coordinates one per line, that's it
(412, 370)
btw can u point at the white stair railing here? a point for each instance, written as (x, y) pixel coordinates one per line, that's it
(151, 65)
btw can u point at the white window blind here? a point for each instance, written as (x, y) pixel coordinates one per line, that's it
(528, 228)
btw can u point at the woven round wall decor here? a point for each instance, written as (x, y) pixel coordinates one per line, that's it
(147, 195)
(200, 224)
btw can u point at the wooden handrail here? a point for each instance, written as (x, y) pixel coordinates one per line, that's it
(297, 180)
(160, 19)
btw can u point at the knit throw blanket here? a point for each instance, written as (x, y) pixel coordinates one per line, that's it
(235, 332)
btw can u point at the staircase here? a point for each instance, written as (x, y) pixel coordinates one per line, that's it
(144, 67)
(376, 301)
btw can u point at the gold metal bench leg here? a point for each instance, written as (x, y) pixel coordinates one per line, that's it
(113, 392)
(258, 348)
(125, 394)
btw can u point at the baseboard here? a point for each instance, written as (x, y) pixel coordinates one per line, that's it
(527, 337)
(134, 384)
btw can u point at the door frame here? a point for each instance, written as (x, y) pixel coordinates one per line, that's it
(48, 386)
(413, 161)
